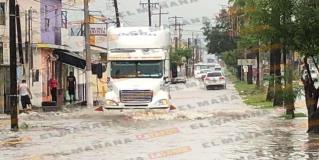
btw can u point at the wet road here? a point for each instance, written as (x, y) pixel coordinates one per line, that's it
(207, 125)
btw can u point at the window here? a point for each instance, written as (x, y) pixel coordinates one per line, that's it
(214, 74)
(47, 24)
(46, 11)
(64, 18)
(1, 52)
(136, 69)
(2, 14)
(46, 18)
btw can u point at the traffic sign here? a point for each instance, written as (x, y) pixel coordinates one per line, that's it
(246, 62)
(245, 68)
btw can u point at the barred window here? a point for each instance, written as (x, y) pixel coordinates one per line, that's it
(2, 14)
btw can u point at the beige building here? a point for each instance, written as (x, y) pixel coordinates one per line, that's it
(22, 70)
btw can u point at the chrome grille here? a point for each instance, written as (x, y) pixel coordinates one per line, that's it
(136, 96)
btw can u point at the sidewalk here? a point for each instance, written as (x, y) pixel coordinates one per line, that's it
(74, 105)
(5, 119)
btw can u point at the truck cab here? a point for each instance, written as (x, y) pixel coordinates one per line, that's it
(138, 68)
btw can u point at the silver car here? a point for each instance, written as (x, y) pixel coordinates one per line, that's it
(216, 78)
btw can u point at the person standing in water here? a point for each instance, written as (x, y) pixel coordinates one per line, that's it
(25, 94)
(71, 86)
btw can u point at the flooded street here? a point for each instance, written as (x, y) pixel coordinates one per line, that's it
(207, 124)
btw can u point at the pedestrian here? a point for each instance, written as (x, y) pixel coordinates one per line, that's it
(25, 94)
(71, 86)
(53, 84)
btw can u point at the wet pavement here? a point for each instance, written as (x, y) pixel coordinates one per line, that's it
(207, 125)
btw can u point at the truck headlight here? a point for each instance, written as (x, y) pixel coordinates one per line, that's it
(162, 102)
(110, 103)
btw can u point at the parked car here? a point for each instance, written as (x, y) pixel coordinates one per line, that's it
(181, 78)
(215, 78)
(218, 68)
(314, 74)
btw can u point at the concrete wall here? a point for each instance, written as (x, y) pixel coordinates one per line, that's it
(36, 86)
(4, 29)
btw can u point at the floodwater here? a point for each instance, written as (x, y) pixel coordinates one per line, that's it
(207, 125)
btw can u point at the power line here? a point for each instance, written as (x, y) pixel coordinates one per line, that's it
(160, 13)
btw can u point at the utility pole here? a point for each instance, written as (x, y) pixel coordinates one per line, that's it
(88, 73)
(160, 16)
(193, 55)
(180, 32)
(149, 13)
(18, 25)
(149, 6)
(175, 21)
(26, 43)
(13, 68)
(118, 24)
(26, 36)
(177, 37)
(30, 41)
(196, 50)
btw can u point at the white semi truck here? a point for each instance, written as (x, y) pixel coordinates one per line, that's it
(138, 68)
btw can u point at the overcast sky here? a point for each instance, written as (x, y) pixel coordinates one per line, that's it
(192, 11)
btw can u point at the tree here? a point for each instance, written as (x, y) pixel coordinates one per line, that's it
(180, 54)
(306, 42)
(217, 37)
(268, 23)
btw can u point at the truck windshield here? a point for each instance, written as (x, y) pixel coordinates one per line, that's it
(136, 69)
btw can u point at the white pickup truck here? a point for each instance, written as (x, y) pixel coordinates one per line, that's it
(138, 68)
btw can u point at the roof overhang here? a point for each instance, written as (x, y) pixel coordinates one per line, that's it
(51, 46)
(70, 58)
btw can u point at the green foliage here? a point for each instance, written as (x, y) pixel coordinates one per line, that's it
(180, 54)
(217, 37)
(306, 39)
(230, 57)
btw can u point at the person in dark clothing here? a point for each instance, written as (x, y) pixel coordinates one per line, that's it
(53, 84)
(71, 86)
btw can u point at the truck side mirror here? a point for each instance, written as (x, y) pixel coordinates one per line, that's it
(98, 69)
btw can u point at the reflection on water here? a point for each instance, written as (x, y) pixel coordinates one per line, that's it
(239, 136)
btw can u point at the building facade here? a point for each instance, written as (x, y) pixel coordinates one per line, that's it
(45, 32)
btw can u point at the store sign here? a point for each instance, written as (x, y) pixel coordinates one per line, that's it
(245, 68)
(98, 29)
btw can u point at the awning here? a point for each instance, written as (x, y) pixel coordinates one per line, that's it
(69, 58)
(53, 46)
